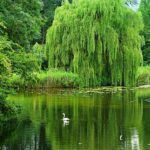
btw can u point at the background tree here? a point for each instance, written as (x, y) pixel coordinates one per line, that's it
(23, 20)
(145, 8)
(48, 11)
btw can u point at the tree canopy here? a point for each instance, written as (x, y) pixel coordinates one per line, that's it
(97, 39)
(145, 9)
(23, 20)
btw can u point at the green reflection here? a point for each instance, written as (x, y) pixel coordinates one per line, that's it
(98, 121)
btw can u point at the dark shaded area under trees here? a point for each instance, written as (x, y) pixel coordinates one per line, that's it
(145, 9)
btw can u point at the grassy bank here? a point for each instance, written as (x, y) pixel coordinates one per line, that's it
(61, 79)
(143, 76)
(46, 79)
(57, 78)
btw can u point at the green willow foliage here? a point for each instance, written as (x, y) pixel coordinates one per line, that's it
(99, 40)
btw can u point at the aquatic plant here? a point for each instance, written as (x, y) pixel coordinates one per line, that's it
(99, 40)
(57, 78)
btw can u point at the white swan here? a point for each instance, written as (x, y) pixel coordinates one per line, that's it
(64, 118)
(121, 137)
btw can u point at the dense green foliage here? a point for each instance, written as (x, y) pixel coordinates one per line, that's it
(48, 15)
(6, 109)
(5, 64)
(99, 40)
(23, 20)
(45, 79)
(58, 78)
(143, 75)
(145, 9)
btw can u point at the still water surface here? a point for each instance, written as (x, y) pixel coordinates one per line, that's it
(106, 121)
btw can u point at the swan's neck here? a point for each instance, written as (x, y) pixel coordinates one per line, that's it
(63, 115)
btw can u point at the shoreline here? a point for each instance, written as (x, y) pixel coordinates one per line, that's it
(100, 90)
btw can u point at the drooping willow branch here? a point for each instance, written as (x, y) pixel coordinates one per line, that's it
(97, 39)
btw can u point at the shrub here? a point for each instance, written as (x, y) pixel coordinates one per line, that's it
(58, 78)
(143, 76)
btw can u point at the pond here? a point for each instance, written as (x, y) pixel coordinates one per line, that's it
(107, 121)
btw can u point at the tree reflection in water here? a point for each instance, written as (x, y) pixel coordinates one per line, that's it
(97, 122)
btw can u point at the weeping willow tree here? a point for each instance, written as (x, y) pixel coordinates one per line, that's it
(98, 39)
